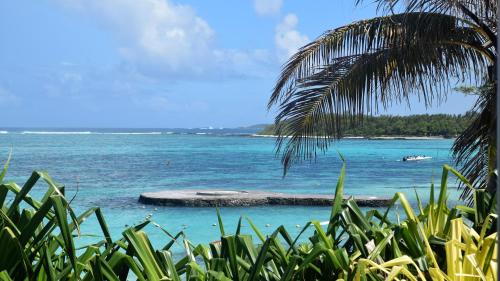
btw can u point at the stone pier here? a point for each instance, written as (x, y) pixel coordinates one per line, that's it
(237, 198)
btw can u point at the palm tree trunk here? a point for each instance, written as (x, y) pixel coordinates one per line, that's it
(497, 67)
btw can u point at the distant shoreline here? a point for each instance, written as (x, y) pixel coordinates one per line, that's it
(215, 132)
(371, 138)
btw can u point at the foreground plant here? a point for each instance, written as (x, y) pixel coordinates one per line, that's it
(37, 242)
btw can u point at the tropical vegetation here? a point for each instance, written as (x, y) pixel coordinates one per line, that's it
(418, 49)
(331, 84)
(40, 240)
(445, 125)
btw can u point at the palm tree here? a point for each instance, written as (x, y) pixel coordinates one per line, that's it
(358, 69)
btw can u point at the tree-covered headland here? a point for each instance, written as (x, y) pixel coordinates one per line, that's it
(445, 125)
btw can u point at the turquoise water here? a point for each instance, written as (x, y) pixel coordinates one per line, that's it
(110, 170)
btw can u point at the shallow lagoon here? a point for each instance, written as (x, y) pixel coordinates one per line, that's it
(111, 170)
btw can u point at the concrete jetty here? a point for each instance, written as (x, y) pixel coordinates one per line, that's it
(237, 198)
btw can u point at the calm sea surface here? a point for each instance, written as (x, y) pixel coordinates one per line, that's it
(112, 167)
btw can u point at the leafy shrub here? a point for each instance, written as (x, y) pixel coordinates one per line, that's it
(436, 242)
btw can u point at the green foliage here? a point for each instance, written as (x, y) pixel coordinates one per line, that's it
(445, 125)
(37, 242)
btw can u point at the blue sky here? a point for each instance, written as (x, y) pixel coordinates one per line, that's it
(158, 63)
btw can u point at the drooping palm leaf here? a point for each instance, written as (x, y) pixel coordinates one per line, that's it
(474, 147)
(484, 11)
(346, 73)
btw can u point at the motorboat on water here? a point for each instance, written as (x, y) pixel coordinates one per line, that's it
(416, 158)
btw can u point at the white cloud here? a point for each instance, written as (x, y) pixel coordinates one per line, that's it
(65, 81)
(160, 36)
(7, 98)
(169, 102)
(155, 102)
(287, 39)
(267, 7)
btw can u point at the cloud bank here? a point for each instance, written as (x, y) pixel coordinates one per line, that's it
(267, 7)
(287, 39)
(6, 97)
(160, 37)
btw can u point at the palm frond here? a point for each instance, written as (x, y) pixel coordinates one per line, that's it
(471, 149)
(482, 12)
(352, 69)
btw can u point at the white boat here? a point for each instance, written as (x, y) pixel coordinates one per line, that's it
(416, 158)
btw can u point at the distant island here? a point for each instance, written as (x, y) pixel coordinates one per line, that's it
(422, 125)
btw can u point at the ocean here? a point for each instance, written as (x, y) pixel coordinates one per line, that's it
(110, 168)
